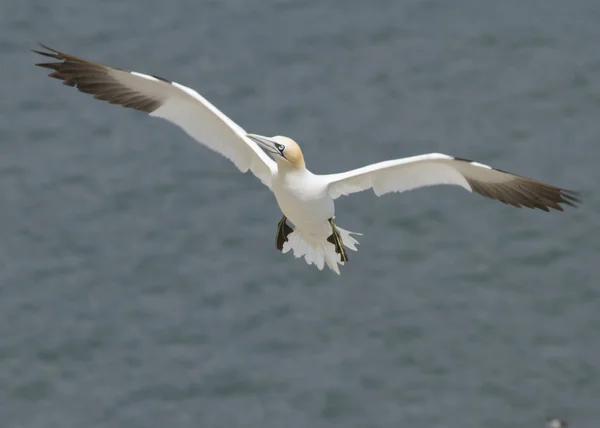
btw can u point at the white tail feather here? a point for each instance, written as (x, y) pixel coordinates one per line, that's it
(317, 250)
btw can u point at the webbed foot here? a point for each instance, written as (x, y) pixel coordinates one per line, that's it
(336, 239)
(283, 230)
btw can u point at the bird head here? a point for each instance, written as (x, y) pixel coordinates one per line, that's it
(285, 151)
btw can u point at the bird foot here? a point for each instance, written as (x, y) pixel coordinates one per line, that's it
(283, 230)
(336, 239)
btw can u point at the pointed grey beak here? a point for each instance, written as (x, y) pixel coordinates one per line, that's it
(265, 143)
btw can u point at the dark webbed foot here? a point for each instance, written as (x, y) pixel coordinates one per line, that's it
(283, 230)
(336, 240)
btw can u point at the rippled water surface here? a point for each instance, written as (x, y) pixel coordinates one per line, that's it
(139, 284)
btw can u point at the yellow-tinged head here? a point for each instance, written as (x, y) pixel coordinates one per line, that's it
(284, 150)
(291, 151)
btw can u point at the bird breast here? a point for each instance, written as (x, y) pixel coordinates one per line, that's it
(303, 198)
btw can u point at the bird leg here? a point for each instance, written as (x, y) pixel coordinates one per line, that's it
(336, 240)
(283, 230)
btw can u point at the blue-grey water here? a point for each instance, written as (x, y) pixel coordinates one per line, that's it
(139, 283)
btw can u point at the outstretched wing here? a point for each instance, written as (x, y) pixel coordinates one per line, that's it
(428, 170)
(160, 97)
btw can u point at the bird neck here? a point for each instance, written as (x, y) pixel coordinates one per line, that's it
(297, 166)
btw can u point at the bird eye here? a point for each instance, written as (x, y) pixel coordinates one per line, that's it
(280, 147)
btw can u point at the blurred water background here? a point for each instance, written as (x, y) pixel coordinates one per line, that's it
(139, 284)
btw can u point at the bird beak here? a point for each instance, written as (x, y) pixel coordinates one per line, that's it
(264, 143)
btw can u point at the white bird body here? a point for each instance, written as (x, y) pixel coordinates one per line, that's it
(306, 199)
(302, 196)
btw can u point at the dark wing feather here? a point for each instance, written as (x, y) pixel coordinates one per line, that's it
(519, 191)
(401, 175)
(94, 78)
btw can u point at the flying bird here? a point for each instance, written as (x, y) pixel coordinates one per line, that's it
(305, 199)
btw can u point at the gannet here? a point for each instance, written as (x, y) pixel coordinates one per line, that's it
(306, 199)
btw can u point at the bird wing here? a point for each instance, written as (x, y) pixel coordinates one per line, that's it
(401, 175)
(160, 97)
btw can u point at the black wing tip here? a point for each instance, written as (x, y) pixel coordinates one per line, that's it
(570, 197)
(564, 201)
(565, 197)
(50, 65)
(47, 48)
(50, 53)
(63, 57)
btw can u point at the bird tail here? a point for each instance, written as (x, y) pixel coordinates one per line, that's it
(317, 250)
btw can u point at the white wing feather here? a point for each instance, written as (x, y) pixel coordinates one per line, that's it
(162, 98)
(209, 126)
(401, 175)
